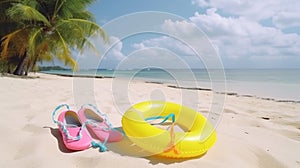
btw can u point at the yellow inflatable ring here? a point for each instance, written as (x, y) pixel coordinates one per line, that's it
(198, 136)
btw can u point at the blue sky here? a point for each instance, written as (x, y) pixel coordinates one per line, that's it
(244, 34)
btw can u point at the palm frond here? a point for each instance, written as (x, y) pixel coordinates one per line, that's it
(89, 27)
(77, 33)
(71, 7)
(84, 15)
(89, 45)
(45, 57)
(65, 55)
(15, 40)
(32, 44)
(21, 12)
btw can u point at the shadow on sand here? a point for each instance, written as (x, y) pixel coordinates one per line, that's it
(123, 148)
(56, 134)
(128, 148)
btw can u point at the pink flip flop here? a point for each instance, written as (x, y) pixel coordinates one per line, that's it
(74, 135)
(98, 124)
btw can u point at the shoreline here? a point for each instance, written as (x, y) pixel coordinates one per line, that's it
(77, 76)
(271, 87)
(227, 93)
(155, 82)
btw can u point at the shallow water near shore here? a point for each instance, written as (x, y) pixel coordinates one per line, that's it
(279, 84)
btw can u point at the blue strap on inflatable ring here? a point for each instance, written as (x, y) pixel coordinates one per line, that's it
(161, 117)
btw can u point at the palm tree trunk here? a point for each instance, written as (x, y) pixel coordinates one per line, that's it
(20, 67)
(31, 65)
(8, 69)
(26, 71)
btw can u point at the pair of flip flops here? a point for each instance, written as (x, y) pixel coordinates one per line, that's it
(79, 128)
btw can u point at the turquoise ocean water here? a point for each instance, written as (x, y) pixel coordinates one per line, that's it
(279, 84)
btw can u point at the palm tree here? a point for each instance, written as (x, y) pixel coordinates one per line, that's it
(48, 29)
(6, 26)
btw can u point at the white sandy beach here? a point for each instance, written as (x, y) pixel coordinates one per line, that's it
(252, 132)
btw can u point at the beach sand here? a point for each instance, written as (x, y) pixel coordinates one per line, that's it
(252, 132)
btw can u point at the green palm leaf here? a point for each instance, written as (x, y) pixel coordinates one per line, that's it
(21, 12)
(65, 54)
(33, 40)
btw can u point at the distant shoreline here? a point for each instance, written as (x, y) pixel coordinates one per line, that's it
(171, 85)
(77, 75)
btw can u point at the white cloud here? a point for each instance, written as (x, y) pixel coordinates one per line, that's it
(287, 19)
(113, 54)
(279, 10)
(238, 37)
(226, 26)
(107, 55)
(193, 37)
(180, 28)
(153, 57)
(116, 50)
(166, 43)
(184, 39)
(254, 9)
(170, 52)
(201, 3)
